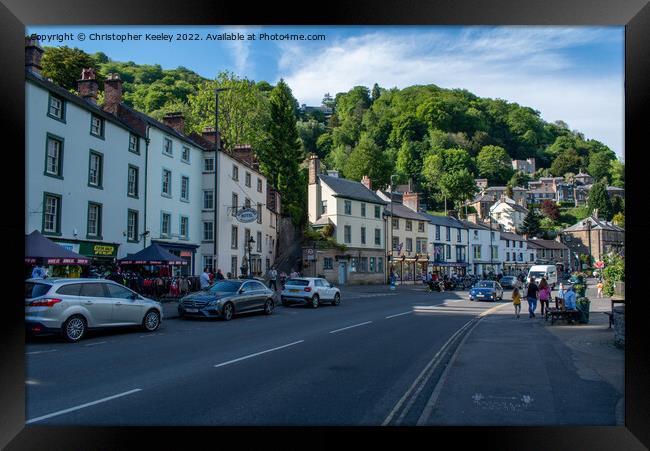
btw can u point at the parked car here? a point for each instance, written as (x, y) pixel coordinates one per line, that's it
(509, 282)
(311, 291)
(489, 290)
(73, 306)
(227, 298)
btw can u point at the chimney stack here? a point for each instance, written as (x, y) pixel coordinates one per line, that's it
(314, 168)
(411, 200)
(33, 54)
(176, 121)
(88, 86)
(365, 181)
(472, 217)
(112, 93)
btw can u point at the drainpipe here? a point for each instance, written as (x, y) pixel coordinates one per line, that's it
(146, 160)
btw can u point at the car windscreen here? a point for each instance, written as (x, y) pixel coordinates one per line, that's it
(537, 274)
(484, 285)
(227, 286)
(34, 290)
(298, 282)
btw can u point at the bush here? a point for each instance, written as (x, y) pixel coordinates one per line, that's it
(614, 272)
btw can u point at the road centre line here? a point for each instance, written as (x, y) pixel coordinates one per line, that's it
(41, 352)
(256, 354)
(72, 409)
(399, 314)
(350, 327)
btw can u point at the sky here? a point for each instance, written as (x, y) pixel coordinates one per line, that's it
(573, 74)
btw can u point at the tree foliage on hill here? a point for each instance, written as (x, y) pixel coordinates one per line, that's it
(550, 209)
(494, 164)
(599, 199)
(63, 65)
(532, 224)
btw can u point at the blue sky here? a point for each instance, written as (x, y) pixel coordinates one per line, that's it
(575, 74)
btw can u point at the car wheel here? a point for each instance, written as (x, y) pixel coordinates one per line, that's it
(268, 307)
(337, 299)
(74, 328)
(314, 301)
(228, 311)
(151, 321)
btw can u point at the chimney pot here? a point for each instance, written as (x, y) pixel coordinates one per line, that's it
(176, 121)
(87, 86)
(33, 55)
(314, 168)
(411, 200)
(112, 93)
(365, 181)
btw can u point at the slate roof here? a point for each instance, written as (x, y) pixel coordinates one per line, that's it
(446, 221)
(512, 236)
(400, 211)
(596, 224)
(546, 244)
(351, 190)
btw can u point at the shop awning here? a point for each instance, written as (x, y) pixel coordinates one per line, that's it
(153, 255)
(39, 247)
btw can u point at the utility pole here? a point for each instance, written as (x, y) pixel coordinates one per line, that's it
(215, 200)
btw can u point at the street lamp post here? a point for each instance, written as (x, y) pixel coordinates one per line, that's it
(588, 224)
(251, 241)
(217, 141)
(392, 248)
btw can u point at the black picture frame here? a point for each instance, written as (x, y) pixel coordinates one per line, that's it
(634, 15)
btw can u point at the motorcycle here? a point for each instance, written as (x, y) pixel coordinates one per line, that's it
(435, 285)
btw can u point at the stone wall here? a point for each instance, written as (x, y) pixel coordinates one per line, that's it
(619, 326)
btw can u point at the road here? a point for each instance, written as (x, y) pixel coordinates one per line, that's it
(372, 360)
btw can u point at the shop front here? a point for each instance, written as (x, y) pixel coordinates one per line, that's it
(101, 255)
(410, 269)
(185, 252)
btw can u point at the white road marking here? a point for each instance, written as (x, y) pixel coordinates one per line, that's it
(399, 314)
(98, 343)
(257, 353)
(40, 352)
(72, 409)
(350, 327)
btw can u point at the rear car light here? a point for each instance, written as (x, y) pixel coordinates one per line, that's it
(46, 302)
(307, 289)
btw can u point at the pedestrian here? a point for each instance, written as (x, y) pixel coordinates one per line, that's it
(294, 274)
(531, 297)
(599, 287)
(229, 275)
(39, 272)
(544, 294)
(219, 275)
(273, 276)
(205, 279)
(516, 301)
(211, 276)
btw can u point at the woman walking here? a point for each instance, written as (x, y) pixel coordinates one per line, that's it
(599, 286)
(532, 291)
(544, 294)
(516, 301)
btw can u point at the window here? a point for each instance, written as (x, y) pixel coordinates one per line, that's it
(248, 179)
(508, 243)
(259, 213)
(185, 188)
(54, 156)
(448, 252)
(208, 231)
(92, 290)
(52, 214)
(185, 154)
(183, 228)
(207, 262)
(363, 235)
(377, 211)
(521, 244)
(363, 264)
(235, 172)
(421, 245)
(165, 225)
(409, 225)
(348, 207)
(259, 184)
(166, 183)
(460, 253)
(56, 108)
(395, 243)
(378, 237)
(437, 233)
(372, 264)
(247, 237)
(208, 164)
(395, 222)
(521, 257)
(353, 264)
(247, 203)
(132, 225)
(476, 249)
(323, 206)
(328, 263)
(208, 199)
(507, 256)
(234, 237)
(259, 242)
(94, 228)
(167, 147)
(448, 234)
(347, 234)
(132, 182)
(380, 264)
(96, 126)
(458, 235)
(495, 252)
(409, 245)
(95, 169)
(233, 266)
(134, 143)
(476, 234)
(421, 226)
(363, 209)
(235, 204)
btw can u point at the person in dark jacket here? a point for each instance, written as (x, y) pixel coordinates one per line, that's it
(532, 292)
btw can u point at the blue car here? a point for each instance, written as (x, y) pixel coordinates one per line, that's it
(486, 290)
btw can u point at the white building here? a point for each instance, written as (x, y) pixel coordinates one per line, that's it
(84, 169)
(483, 248)
(448, 238)
(508, 214)
(515, 253)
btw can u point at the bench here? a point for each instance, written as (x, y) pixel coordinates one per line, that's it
(559, 312)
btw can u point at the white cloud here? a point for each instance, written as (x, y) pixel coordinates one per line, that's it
(527, 65)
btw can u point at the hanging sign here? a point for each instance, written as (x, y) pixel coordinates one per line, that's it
(246, 215)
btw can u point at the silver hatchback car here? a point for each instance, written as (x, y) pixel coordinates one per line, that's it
(72, 306)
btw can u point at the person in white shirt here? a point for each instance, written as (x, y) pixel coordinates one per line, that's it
(205, 279)
(273, 276)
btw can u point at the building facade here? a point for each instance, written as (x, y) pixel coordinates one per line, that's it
(551, 252)
(596, 236)
(508, 214)
(515, 252)
(483, 248)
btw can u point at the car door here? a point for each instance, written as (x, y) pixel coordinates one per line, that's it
(329, 291)
(126, 307)
(245, 299)
(258, 295)
(99, 307)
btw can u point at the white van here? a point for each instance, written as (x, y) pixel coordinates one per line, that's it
(539, 271)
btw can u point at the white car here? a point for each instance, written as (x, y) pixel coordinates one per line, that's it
(309, 290)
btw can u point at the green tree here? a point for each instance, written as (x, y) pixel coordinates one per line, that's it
(619, 219)
(63, 65)
(600, 165)
(309, 132)
(567, 161)
(494, 164)
(599, 199)
(531, 225)
(519, 179)
(458, 186)
(617, 173)
(376, 92)
(368, 159)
